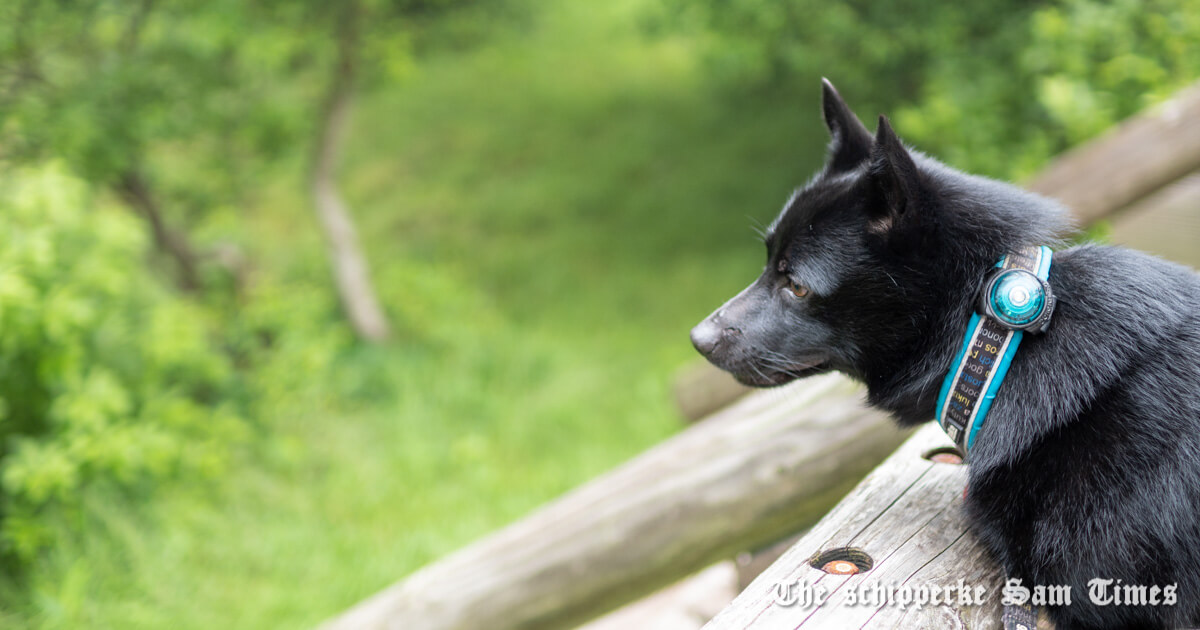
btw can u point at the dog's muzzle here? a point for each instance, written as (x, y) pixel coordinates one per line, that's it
(708, 335)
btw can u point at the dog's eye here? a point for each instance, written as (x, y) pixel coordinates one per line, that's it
(798, 290)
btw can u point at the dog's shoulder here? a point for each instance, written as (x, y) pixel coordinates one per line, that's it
(1119, 312)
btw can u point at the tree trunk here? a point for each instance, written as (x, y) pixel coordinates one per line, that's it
(350, 272)
(133, 189)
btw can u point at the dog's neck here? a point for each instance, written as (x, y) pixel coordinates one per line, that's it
(903, 370)
(934, 291)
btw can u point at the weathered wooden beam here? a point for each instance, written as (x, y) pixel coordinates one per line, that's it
(773, 462)
(1136, 158)
(906, 517)
(1165, 224)
(685, 605)
(700, 389)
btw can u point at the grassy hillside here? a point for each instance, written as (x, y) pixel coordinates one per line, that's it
(546, 217)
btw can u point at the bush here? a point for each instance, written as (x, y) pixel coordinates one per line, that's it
(1059, 76)
(996, 87)
(106, 378)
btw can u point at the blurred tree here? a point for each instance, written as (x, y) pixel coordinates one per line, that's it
(880, 52)
(996, 87)
(407, 25)
(174, 109)
(178, 106)
(1063, 73)
(154, 101)
(350, 270)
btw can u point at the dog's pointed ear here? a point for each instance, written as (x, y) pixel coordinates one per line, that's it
(851, 142)
(894, 176)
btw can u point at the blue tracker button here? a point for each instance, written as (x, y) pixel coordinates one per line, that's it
(1017, 297)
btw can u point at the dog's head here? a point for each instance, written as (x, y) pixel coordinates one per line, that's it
(824, 289)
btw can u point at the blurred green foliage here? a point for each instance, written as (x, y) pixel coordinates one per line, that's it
(994, 87)
(105, 376)
(182, 105)
(177, 89)
(550, 193)
(1068, 72)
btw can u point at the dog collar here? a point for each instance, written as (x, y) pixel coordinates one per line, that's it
(1015, 299)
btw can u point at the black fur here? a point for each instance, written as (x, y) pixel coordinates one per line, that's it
(1089, 462)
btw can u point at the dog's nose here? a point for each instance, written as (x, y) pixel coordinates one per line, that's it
(706, 335)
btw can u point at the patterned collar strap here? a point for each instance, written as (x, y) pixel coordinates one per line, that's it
(1016, 299)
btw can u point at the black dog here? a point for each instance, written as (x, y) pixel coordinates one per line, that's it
(1088, 465)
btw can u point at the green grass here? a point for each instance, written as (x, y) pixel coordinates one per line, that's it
(546, 217)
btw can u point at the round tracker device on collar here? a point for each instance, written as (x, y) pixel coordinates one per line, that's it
(1018, 300)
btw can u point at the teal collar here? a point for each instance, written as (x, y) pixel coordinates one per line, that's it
(1016, 299)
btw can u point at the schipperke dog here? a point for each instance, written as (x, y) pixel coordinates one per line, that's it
(1088, 464)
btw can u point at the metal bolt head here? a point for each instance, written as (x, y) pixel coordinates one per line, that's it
(840, 567)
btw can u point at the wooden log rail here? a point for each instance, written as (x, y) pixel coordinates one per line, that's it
(1133, 160)
(763, 468)
(902, 529)
(775, 461)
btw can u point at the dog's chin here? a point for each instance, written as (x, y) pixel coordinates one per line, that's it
(775, 377)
